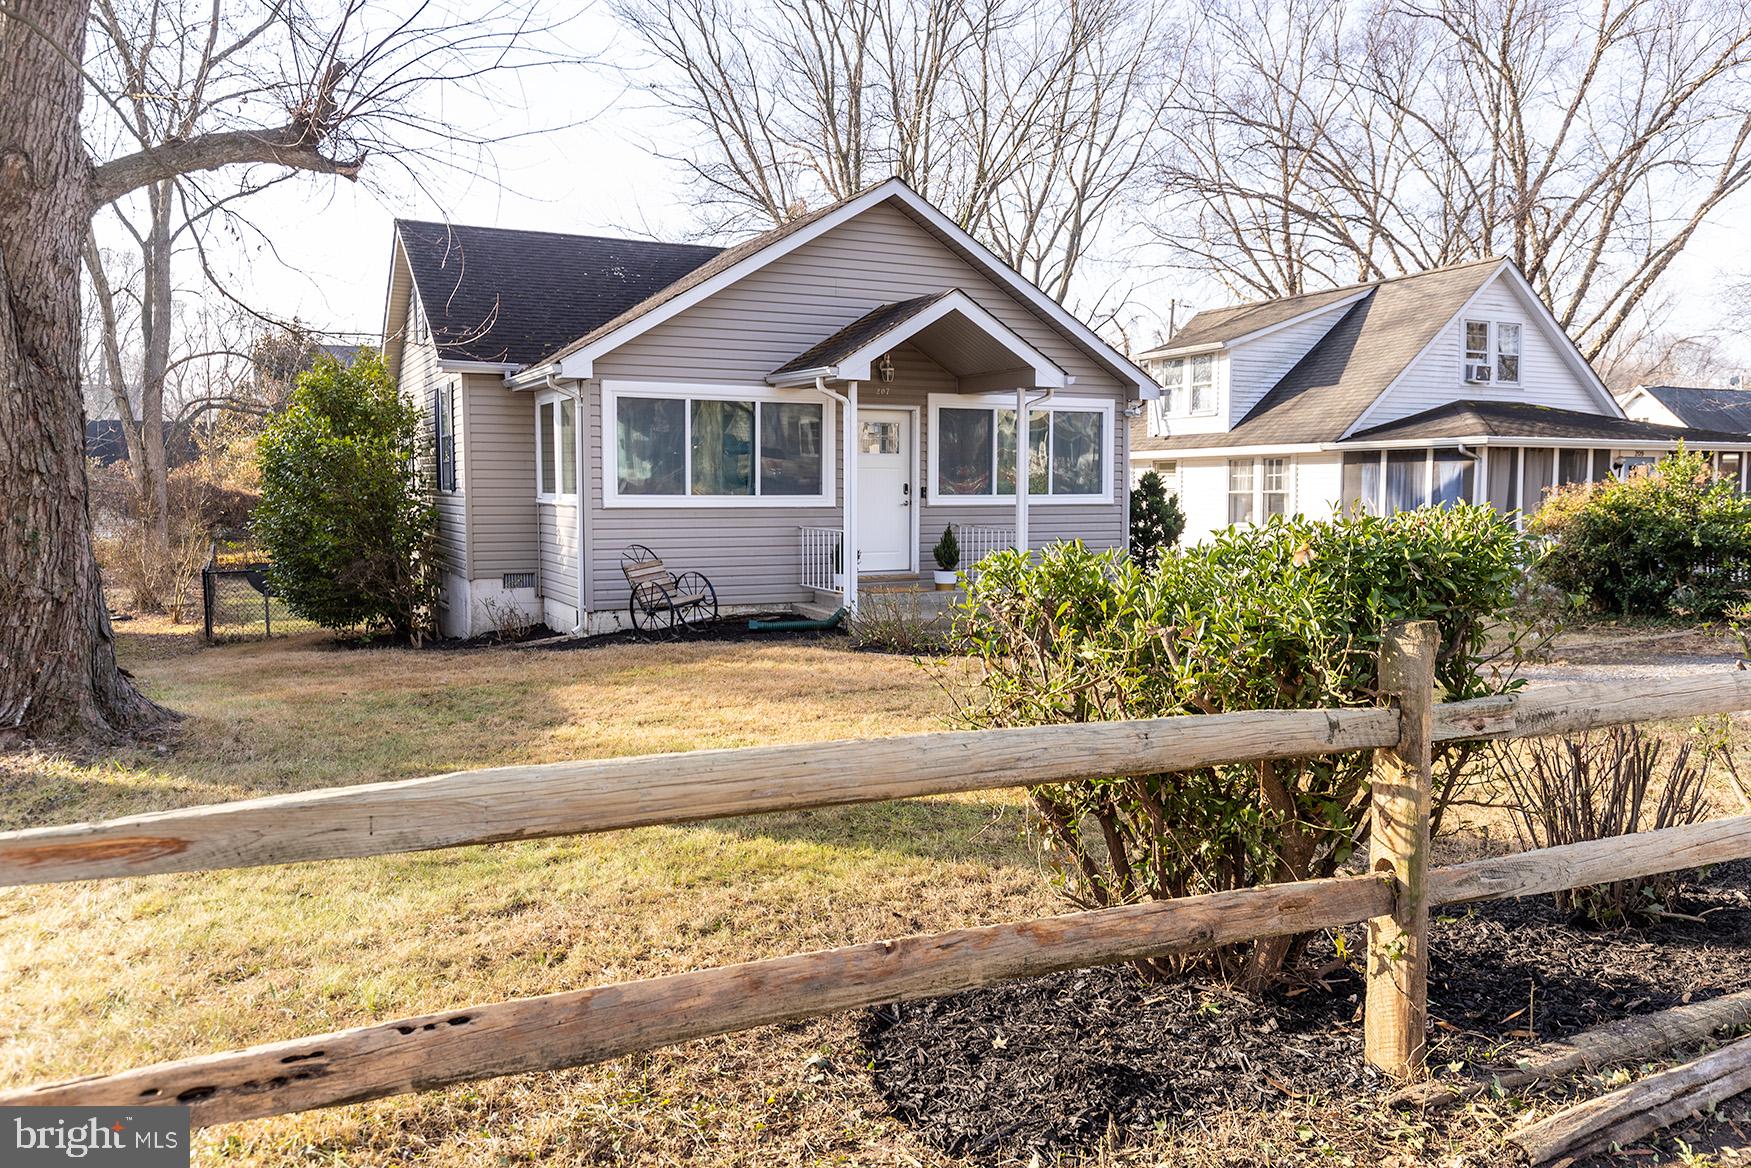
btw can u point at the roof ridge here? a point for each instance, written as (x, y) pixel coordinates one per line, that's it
(400, 223)
(1358, 286)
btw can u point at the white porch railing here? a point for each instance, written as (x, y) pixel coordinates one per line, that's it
(979, 542)
(820, 547)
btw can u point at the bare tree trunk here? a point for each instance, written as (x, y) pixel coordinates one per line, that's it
(58, 671)
(156, 321)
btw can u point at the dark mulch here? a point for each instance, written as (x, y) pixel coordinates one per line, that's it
(730, 629)
(1053, 1064)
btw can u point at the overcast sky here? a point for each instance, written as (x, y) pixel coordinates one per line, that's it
(606, 176)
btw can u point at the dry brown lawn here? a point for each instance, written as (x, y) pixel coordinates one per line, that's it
(99, 977)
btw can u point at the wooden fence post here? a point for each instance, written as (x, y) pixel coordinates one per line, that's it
(1396, 1017)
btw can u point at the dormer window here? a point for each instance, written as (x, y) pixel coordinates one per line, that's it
(1188, 388)
(1492, 352)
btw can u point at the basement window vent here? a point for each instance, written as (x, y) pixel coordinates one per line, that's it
(519, 580)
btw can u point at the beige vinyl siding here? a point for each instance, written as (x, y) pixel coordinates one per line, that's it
(501, 477)
(557, 537)
(745, 331)
(752, 555)
(757, 324)
(419, 378)
(1435, 378)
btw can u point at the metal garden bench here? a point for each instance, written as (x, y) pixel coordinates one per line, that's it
(662, 600)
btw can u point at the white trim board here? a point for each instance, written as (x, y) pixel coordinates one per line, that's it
(613, 391)
(1046, 373)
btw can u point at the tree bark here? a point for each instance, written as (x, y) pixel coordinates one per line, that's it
(58, 671)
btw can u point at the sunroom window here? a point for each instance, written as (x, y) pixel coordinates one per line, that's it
(975, 447)
(717, 448)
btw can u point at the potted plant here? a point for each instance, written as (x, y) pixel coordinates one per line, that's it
(948, 558)
(839, 566)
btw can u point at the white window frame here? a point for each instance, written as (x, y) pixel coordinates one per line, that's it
(1257, 462)
(1492, 351)
(613, 391)
(1496, 353)
(559, 494)
(1179, 390)
(999, 401)
(444, 430)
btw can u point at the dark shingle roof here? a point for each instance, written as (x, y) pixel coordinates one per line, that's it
(859, 333)
(1466, 419)
(722, 261)
(1324, 394)
(1217, 325)
(494, 294)
(1713, 409)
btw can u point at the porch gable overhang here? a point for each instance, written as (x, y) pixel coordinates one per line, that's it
(949, 327)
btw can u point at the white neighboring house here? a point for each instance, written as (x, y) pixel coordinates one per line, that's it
(1447, 385)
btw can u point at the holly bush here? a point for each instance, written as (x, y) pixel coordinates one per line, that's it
(1289, 614)
(345, 513)
(1671, 542)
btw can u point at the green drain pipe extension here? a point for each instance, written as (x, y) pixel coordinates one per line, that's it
(799, 625)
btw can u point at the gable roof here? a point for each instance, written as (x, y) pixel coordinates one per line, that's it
(876, 323)
(950, 327)
(575, 358)
(1486, 419)
(493, 294)
(1713, 409)
(1346, 371)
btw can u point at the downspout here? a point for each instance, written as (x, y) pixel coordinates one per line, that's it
(847, 434)
(580, 412)
(1478, 486)
(1023, 405)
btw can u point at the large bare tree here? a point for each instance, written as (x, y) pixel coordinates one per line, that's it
(1319, 142)
(1026, 122)
(275, 84)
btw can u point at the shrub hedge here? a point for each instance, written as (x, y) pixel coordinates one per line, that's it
(1674, 541)
(1288, 614)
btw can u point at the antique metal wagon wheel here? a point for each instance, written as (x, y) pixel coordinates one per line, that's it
(651, 608)
(695, 598)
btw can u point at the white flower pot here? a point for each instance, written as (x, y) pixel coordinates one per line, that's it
(839, 581)
(945, 581)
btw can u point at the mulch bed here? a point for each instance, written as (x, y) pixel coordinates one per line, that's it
(729, 629)
(1055, 1064)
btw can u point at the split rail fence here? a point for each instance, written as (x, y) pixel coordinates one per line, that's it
(583, 1026)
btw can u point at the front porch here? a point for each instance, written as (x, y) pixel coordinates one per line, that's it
(947, 416)
(821, 564)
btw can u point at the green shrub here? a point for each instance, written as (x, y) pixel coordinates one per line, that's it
(1674, 541)
(345, 511)
(1285, 615)
(1156, 520)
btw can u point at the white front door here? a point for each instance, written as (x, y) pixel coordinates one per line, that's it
(884, 491)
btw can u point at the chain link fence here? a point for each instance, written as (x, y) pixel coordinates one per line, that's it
(236, 600)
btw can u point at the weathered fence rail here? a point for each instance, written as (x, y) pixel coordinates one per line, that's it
(589, 1025)
(569, 798)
